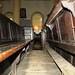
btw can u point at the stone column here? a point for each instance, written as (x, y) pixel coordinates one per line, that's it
(16, 11)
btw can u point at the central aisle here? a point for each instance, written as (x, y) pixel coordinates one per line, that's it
(37, 62)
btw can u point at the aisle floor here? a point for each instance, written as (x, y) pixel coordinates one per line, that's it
(37, 62)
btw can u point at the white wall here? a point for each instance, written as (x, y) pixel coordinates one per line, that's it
(42, 6)
(7, 5)
(31, 6)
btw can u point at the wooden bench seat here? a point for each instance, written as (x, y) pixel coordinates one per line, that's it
(65, 67)
(8, 50)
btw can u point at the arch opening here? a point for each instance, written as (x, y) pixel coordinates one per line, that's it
(37, 22)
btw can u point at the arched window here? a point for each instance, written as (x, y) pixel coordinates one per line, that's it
(37, 22)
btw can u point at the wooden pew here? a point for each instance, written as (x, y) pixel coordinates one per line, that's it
(65, 67)
(10, 56)
(12, 45)
(11, 49)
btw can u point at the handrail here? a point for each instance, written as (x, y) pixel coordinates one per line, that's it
(11, 51)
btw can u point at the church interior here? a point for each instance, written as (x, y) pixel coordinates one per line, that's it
(37, 37)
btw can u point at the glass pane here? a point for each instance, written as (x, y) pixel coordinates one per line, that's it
(37, 23)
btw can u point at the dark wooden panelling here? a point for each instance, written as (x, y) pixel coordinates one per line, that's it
(9, 30)
(73, 21)
(63, 27)
(4, 30)
(58, 51)
(55, 31)
(63, 22)
(19, 33)
(66, 56)
(49, 34)
(74, 60)
(13, 32)
(69, 22)
(65, 46)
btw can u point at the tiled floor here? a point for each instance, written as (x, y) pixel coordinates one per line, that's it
(37, 62)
